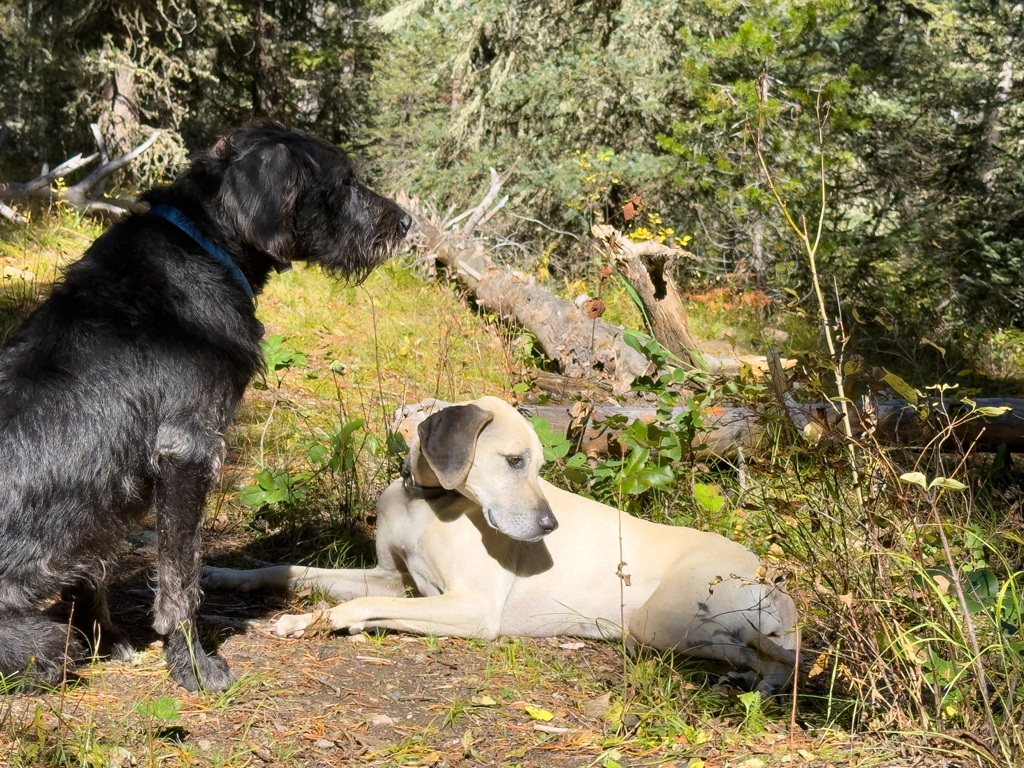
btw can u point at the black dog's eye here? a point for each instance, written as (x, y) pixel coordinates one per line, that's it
(514, 461)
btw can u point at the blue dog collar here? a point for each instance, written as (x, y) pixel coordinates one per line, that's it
(182, 222)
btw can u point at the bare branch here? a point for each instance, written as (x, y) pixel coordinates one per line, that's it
(12, 215)
(108, 168)
(101, 145)
(69, 165)
(481, 210)
(76, 196)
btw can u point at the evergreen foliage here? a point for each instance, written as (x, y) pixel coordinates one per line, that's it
(600, 100)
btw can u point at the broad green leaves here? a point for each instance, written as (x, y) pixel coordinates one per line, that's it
(919, 479)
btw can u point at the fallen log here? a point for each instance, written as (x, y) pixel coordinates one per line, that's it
(730, 428)
(80, 196)
(583, 347)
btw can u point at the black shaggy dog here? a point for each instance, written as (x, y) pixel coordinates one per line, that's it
(115, 393)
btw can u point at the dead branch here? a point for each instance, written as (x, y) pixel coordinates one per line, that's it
(483, 212)
(101, 147)
(12, 215)
(80, 196)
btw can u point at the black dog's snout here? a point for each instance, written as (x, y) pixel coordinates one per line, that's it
(404, 222)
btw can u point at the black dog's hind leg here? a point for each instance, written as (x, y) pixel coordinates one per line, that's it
(184, 475)
(34, 648)
(90, 616)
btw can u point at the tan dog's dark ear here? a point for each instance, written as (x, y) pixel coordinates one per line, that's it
(448, 441)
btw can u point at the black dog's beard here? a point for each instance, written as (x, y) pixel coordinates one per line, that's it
(363, 248)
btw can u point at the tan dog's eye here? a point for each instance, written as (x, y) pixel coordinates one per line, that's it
(514, 461)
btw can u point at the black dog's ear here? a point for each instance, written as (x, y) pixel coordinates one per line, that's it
(448, 441)
(259, 194)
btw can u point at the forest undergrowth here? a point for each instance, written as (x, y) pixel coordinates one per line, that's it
(909, 579)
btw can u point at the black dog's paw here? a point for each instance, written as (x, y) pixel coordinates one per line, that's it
(116, 647)
(196, 670)
(108, 643)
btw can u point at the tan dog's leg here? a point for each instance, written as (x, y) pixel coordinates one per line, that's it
(459, 615)
(342, 584)
(747, 625)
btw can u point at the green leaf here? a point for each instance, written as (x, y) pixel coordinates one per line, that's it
(916, 478)
(252, 496)
(657, 477)
(165, 708)
(948, 483)
(639, 305)
(993, 410)
(352, 426)
(708, 497)
(903, 389)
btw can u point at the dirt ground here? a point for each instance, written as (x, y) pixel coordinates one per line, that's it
(394, 700)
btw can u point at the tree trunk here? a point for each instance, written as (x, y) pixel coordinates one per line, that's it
(119, 121)
(647, 267)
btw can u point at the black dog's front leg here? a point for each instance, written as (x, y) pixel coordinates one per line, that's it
(180, 498)
(91, 618)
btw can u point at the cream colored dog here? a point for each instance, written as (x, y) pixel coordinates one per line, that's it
(488, 548)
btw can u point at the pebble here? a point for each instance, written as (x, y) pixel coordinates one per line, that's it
(264, 754)
(324, 743)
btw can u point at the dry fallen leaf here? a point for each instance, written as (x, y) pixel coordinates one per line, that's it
(597, 708)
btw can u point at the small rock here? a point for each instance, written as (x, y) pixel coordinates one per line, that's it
(264, 753)
(630, 721)
(324, 744)
(382, 720)
(204, 744)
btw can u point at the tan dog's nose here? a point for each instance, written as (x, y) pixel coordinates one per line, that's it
(546, 521)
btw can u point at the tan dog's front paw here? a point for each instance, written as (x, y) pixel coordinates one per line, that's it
(294, 625)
